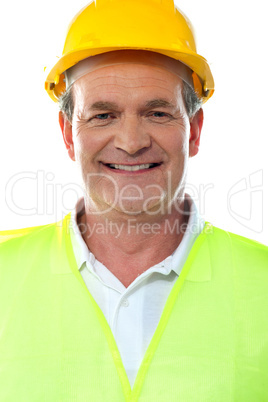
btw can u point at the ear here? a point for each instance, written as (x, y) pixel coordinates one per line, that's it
(196, 124)
(67, 133)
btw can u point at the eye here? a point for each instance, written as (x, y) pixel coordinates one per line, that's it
(160, 117)
(102, 116)
(102, 119)
(159, 114)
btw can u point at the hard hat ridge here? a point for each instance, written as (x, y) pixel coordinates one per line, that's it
(164, 3)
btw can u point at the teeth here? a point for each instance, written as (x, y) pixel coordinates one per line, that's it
(131, 168)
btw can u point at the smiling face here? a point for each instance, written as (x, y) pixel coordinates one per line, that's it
(131, 137)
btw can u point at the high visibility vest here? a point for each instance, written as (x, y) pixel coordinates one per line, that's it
(211, 343)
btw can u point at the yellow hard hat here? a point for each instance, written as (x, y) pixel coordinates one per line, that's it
(109, 25)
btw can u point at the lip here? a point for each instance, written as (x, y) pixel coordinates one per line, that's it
(131, 172)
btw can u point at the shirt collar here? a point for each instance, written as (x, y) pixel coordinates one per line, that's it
(174, 262)
(194, 228)
(81, 251)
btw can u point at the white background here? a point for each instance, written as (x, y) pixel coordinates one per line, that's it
(228, 178)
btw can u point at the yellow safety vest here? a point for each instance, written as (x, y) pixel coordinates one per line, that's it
(211, 343)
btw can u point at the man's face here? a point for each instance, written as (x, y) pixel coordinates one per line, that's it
(131, 137)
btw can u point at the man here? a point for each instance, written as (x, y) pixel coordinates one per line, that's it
(132, 297)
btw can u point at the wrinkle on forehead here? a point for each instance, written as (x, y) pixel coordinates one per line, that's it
(129, 85)
(101, 87)
(128, 76)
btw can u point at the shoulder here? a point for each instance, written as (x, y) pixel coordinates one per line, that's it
(20, 235)
(235, 239)
(243, 250)
(35, 250)
(6, 235)
(31, 236)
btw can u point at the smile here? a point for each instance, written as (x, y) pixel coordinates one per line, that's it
(132, 168)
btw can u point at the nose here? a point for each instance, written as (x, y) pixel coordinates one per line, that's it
(131, 136)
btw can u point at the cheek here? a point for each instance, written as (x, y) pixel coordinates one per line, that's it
(174, 137)
(83, 151)
(84, 144)
(177, 147)
(185, 148)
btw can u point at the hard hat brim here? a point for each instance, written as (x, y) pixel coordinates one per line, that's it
(55, 85)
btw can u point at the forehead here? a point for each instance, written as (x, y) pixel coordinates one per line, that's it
(127, 80)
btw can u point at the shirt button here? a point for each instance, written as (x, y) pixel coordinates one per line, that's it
(125, 303)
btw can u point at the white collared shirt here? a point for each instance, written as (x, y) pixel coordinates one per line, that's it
(133, 313)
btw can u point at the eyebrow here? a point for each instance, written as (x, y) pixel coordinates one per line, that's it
(102, 105)
(154, 103)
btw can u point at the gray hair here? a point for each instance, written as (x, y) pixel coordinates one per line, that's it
(191, 100)
(66, 103)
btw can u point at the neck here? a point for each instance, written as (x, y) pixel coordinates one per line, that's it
(129, 246)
